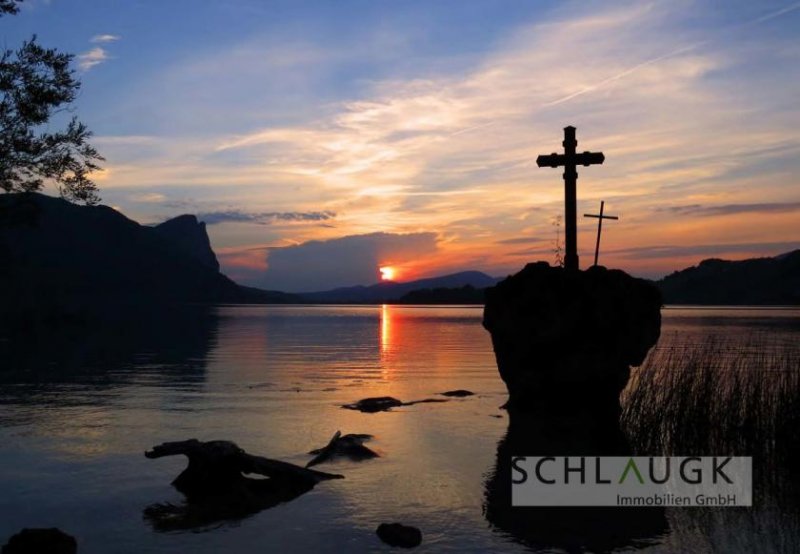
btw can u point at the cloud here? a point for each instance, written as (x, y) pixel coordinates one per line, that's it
(447, 135)
(686, 111)
(93, 57)
(243, 265)
(546, 254)
(728, 209)
(520, 240)
(262, 218)
(346, 261)
(149, 198)
(105, 38)
(125, 140)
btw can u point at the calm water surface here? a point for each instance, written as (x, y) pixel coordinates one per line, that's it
(78, 409)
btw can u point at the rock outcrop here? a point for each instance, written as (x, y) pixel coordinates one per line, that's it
(190, 236)
(565, 340)
(59, 259)
(84, 255)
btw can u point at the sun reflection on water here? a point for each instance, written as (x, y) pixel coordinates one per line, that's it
(386, 328)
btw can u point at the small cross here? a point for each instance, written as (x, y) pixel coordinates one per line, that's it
(570, 160)
(600, 219)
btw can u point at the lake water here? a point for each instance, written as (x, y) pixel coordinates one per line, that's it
(78, 408)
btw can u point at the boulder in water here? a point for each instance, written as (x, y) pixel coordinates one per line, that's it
(565, 340)
(396, 534)
(41, 541)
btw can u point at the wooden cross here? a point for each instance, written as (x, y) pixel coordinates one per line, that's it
(600, 219)
(570, 160)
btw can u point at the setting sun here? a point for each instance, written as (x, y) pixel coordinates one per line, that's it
(387, 273)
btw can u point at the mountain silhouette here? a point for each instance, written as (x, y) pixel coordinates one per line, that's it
(460, 295)
(391, 292)
(189, 235)
(756, 281)
(55, 253)
(59, 256)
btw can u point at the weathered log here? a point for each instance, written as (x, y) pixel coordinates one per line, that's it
(351, 446)
(216, 487)
(227, 456)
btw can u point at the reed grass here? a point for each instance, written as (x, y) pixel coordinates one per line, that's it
(722, 395)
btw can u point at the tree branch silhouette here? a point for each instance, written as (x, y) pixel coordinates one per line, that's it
(37, 83)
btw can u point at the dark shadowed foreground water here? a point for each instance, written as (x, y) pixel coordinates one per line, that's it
(79, 406)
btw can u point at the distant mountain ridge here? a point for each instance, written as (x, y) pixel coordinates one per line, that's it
(444, 296)
(392, 291)
(756, 281)
(52, 251)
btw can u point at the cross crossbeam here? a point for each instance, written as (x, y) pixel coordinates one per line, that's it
(570, 159)
(557, 160)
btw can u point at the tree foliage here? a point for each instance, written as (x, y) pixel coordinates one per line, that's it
(37, 83)
(9, 6)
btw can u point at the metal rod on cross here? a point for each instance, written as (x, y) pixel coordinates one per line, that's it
(570, 160)
(600, 219)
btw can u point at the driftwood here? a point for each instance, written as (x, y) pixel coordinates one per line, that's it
(351, 446)
(216, 486)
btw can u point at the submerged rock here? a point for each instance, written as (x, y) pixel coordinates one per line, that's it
(385, 403)
(376, 404)
(565, 340)
(458, 393)
(41, 541)
(216, 488)
(395, 534)
(350, 446)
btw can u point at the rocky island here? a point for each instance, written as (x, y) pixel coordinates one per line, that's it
(565, 340)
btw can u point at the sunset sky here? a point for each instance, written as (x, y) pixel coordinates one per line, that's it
(322, 140)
